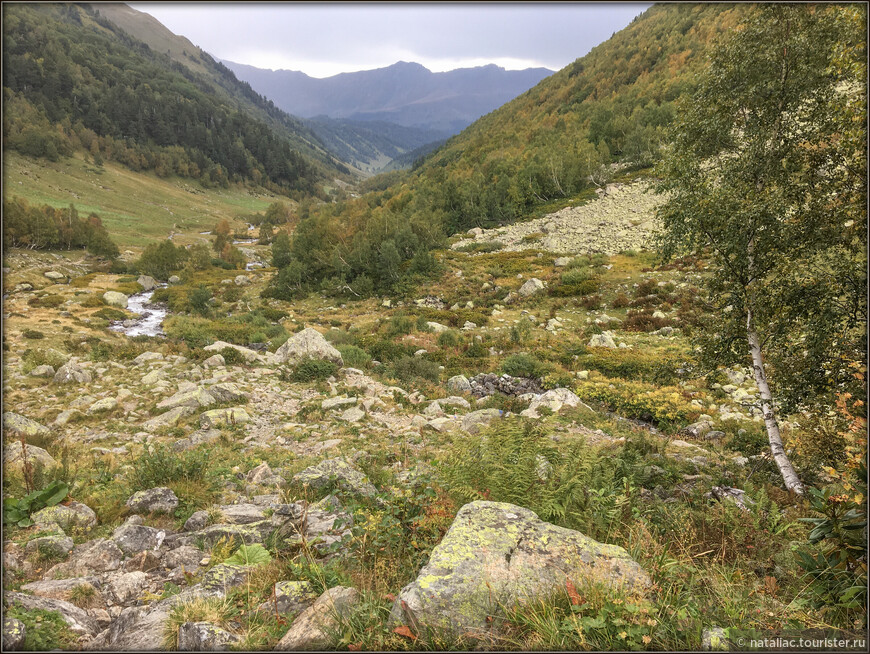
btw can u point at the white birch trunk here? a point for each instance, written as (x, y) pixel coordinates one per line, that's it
(789, 476)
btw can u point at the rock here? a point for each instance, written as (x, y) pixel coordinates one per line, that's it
(153, 500)
(263, 475)
(336, 470)
(96, 556)
(353, 414)
(67, 516)
(168, 419)
(734, 495)
(475, 232)
(155, 376)
(13, 457)
(60, 588)
(186, 556)
(531, 287)
(242, 280)
(214, 361)
(437, 327)
(42, 371)
(604, 339)
(77, 620)
(307, 344)
(227, 392)
(72, 372)
(697, 429)
(174, 279)
(554, 400)
(56, 546)
(136, 628)
(14, 634)
(194, 399)
(235, 415)
(23, 287)
(54, 275)
(249, 355)
(441, 425)
(714, 639)
(133, 538)
(561, 262)
(313, 627)
(145, 357)
(147, 283)
(714, 436)
(336, 402)
(115, 299)
(659, 315)
(101, 406)
(476, 420)
(144, 561)
(128, 586)
(498, 555)
(293, 596)
(459, 384)
(204, 636)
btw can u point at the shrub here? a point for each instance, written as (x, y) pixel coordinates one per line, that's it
(33, 358)
(159, 465)
(448, 338)
(399, 325)
(386, 350)
(644, 321)
(110, 314)
(584, 287)
(93, 301)
(523, 365)
(522, 331)
(310, 370)
(642, 365)
(482, 246)
(232, 357)
(354, 357)
(160, 260)
(197, 300)
(666, 406)
(46, 301)
(273, 314)
(33, 334)
(409, 368)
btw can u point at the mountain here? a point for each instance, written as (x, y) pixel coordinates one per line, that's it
(75, 80)
(405, 93)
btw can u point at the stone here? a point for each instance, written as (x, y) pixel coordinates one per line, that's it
(145, 357)
(228, 392)
(476, 420)
(353, 414)
(198, 397)
(204, 637)
(604, 339)
(97, 556)
(115, 299)
(307, 344)
(561, 262)
(14, 634)
(136, 628)
(56, 546)
(554, 400)
(67, 516)
(174, 279)
(147, 283)
(133, 538)
(42, 371)
(531, 287)
(54, 275)
(312, 629)
(714, 639)
(76, 619)
(142, 562)
(104, 405)
(437, 327)
(337, 402)
(128, 586)
(168, 419)
(14, 453)
(697, 429)
(214, 361)
(249, 355)
(155, 376)
(242, 280)
(186, 556)
(60, 588)
(263, 475)
(153, 500)
(235, 415)
(714, 436)
(459, 384)
(735, 496)
(441, 425)
(339, 471)
(293, 596)
(498, 555)
(71, 372)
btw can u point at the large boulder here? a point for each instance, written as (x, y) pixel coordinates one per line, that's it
(496, 555)
(140, 628)
(13, 457)
(477, 420)
(554, 400)
(147, 283)
(66, 516)
(249, 355)
(604, 339)
(71, 372)
(153, 500)
(14, 634)
(459, 384)
(311, 630)
(336, 471)
(531, 287)
(76, 619)
(21, 426)
(204, 637)
(215, 418)
(115, 299)
(307, 344)
(198, 397)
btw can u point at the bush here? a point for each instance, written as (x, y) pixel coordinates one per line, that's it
(641, 365)
(232, 357)
(448, 338)
(386, 350)
(399, 325)
(354, 357)
(584, 287)
(273, 315)
(159, 465)
(523, 365)
(666, 406)
(160, 260)
(197, 300)
(310, 370)
(110, 314)
(483, 246)
(644, 321)
(46, 301)
(32, 334)
(409, 368)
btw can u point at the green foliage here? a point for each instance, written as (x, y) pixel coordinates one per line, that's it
(665, 406)
(523, 365)
(17, 512)
(522, 331)
(354, 357)
(32, 334)
(159, 465)
(110, 314)
(410, 368)
(481, 246)
(47, 301)
(309, 370)
(57, 229)
(448, 338)
(44, 630)
(399, 325)
(246, 555)
(630, 363)
(161, 260)
(197, 300)
(38, 357)
(232, 357)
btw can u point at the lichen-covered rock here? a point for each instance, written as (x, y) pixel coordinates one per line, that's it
(496, 555)
(78, 621)
(55, 546)
(156, 500)
(311, 630)
(99, 555)
(22, 426)
(54, 275)
(61, 588)
(14, 634)
(133, 538)
(13, 457)
(249, 355)
(308, 344)
(293, 596)
(146, 282)
(338, 402)
(604, 339)
(554, 400)
(139, 628)
(127, 587)
(235, 415)
(42, 371)
(714, 639)
(204, 637)
(214, 361)
(198, 397)
(459, 384)
(168, 419)
(115, 299)
(228, 392)
(336, 471)
(101, 406)
(531, 287)
(72, 373)
(67, 516)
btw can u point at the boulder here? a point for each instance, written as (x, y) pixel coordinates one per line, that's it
(76, 619)
(228, 392)
(14, 634)
(498, 555)
(101, 406)
(54, 275)
(168, 419)
(293, 596)
(476, 420)
(194, 399)
(128, 586)
(147, 283)
(59, 588)
(531, 287)
(336, 470)
(307, 344)
(136, 628)
(42, 371)
(249, 355)
(437, 327)
(604, 339)
(174, 279)
(19, 425)
(554, 400)
(133, 538)
(153, 500)
(459, 384)
(242, 280)
(235, 415)
(145, 357)
(561, 262)
(72, 372)
(336, 402)
(115, 299)
(67, 516)
(214, 361)
(353, 414)
(204, 637)
(312, 629)
(56, 546)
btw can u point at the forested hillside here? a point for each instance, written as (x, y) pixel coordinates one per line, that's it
(75, 81)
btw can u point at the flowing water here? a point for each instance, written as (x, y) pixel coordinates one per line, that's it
(150, 318)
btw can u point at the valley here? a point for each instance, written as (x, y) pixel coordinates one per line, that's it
(518, 397)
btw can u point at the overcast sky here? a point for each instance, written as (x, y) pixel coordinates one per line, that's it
(323, 39)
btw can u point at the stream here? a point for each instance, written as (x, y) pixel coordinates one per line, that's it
(150, 316)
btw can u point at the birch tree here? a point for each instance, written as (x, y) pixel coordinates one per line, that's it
(757, 176)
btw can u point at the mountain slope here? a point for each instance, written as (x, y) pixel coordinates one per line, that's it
(405, 93)
(73, 80)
